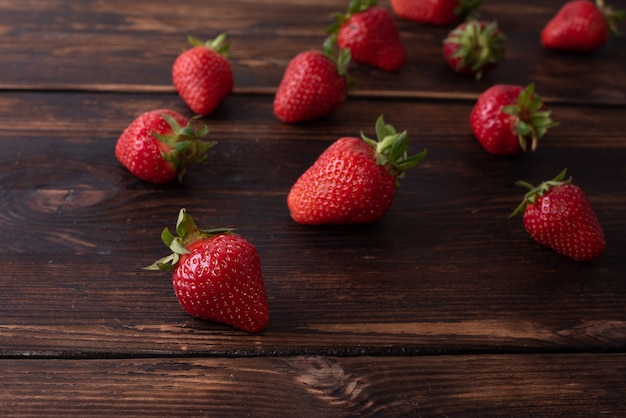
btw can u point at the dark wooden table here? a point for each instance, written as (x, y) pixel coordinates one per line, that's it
(445, 307)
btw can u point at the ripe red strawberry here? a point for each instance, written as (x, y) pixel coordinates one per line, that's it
(474, 48)
(558, 214)
(506, 118)
(216, 275)
(434, 12)
(202, 75)
(371, 35)
(581, 26)
(160, 145)
(314, 85)
(354, 180)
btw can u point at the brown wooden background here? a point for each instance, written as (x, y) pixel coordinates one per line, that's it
(443, 308)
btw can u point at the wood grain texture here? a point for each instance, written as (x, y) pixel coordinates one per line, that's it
(444, 307)
(444, 271)
(115, 45)
(318, 386)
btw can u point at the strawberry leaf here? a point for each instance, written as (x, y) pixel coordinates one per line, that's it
(355, 6)
(185, 143)
(540, 190)
(341, 60)
(532, 123)
(479, 46)
(187, 232)
(611, 16)
(467, 9)
(391, 149)
(218, 44)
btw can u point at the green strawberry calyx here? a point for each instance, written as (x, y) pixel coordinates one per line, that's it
(535, 191)
(612, 16)
(187, 232)
(218, 44)
(532, 122)
(184, 145)
(479, 45)
(467, 9)
(391, 150)
(355, 6)
(341, 59)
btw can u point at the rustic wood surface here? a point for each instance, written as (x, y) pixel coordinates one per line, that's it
(445, 307)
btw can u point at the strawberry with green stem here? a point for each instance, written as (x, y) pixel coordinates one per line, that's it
(160, 145)
(354, 181)
(315, 84)
(474, 48)
(581, 26)
(202, 75)
(371, 35)
(216, 275)
(559, 215)
(509, 119)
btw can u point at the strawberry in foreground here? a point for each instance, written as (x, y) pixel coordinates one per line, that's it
(581, 26)
(315, 84)
(474, 48)
(216, 275)
(202, 75)
(160, 145)
(434, 12)
(558, 214)
(371, 35)
(354, 180)
(506, 119)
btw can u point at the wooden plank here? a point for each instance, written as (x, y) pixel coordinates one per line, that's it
(444, 272)
(318, 386)
(52, 45)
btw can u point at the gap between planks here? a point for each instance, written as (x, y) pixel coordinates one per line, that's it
(261, 91)
(270, 91)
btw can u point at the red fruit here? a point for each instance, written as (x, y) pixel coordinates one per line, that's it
(558, 214)
(581, 26)
(314, 85)
(371, 35)
(474, 48)
(354, 180)
(435, 12)
(506, 118)
(202, 75)
(216, 275)
(160, 145)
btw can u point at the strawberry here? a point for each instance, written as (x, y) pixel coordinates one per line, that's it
(434, 12)
(558, 214)
(581, 26)
(354, 180)
(507, 117)
(474, 48)
(315, 84)
(160, 145)
(202, 75)
(371, 35)
(216, 275)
